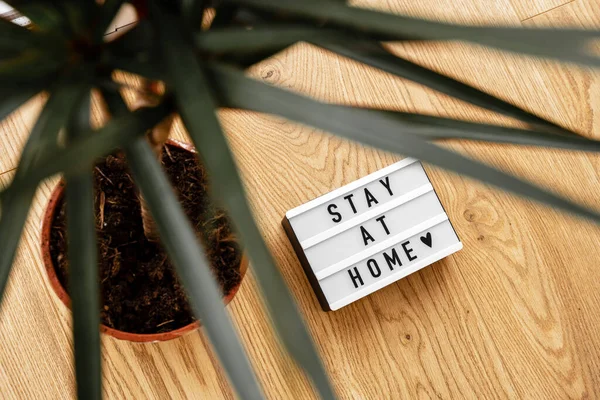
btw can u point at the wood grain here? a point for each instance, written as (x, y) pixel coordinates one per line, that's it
(513, 315)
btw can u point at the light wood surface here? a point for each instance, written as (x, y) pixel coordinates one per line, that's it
(513, 315)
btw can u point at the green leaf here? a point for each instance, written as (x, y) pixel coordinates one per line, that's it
(15, 207)
(65, 16)
(267, 38)
(35, 43)
(193, 11)
(224, 14)
(13, 98)
(15, 203)
(136, 51)
(197, 109)
(83, 267)
(28, 66)
(373, 54)
(183, 248)
(258, 45)
(238, 40)
(437, 128)
(146, 69)
(108, 11)
(139, 41)
(45, 15)
(81, 154)
(15, 37)
(562, 44)
(78, 16)
(43, 138)
(373, 129)
(9, 28)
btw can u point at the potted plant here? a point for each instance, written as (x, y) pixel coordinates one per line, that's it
(64, 54)
(142, 298)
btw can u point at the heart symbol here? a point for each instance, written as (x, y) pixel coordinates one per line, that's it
(426, 239)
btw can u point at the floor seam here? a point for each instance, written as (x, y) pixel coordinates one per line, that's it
(550, 9)
(7, 171)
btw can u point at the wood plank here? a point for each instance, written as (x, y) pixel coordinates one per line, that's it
(511, 315)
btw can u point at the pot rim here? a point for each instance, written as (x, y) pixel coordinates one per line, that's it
(55, 197)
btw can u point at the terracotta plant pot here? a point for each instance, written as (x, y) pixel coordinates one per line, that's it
(60, 291)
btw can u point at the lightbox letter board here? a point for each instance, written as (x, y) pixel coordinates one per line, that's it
(370, 233)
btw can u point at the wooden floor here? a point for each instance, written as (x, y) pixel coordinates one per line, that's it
(513, 315)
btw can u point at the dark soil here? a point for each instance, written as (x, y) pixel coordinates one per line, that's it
(140, 290)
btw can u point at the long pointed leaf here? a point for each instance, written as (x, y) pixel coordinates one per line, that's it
(108, 12)
(15, 203)
(371, 53)
(46, 15)
(263, 39)
(17, 38)
(138, 42)
(83, 268)
(82, 153)
(14, 210)
(240, 40)
(136, 51)
(68, 16)
(374, 129)
(14, 98)
(28, 66)
(13, 36)
(257, 43)
(224, 14)
(146, 69)
(79, 15)
(268, 38)
(193, 10)
(438, 128)
(245, 47)
(7, 27)
(197, 109)
(183, 248)
(562, 44)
